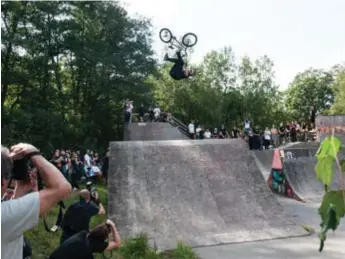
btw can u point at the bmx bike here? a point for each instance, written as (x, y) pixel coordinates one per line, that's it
(188, 40)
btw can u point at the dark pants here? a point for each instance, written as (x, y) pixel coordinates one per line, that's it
(74, 179)
(66, 234)
(266, 143)
(127, 117)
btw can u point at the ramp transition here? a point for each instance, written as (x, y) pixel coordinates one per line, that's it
(204, 193)
(299, 167)
(152, 131)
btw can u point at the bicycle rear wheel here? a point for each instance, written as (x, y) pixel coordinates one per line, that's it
(189, 39)
(165, 35)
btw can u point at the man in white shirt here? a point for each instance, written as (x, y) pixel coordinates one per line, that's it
(22, 212)
(246, 126)
(207, 134)
(87, 159)
(129, 110)
(191, 130)
(157, 113)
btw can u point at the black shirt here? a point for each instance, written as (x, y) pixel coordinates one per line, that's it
(223, 130)
(72, 220)
(201, 133)
(235, 133)
(141, 111)
(79, 246)
(281, 130)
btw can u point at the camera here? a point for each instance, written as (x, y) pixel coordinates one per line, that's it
(20, 170)
(93, 192)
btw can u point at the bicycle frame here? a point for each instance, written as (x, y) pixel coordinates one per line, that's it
(176, 43)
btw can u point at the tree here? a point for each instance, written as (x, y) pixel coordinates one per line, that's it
(309, 93)
(339, 91)
(66, 67)
(222, 91)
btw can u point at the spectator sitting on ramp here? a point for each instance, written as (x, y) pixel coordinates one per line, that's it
(83, 244)
(78, 215)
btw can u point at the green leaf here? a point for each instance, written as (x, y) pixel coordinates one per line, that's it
(324, 169)
(332, 199)
(342, 165)
(331, 210)
(329, 147)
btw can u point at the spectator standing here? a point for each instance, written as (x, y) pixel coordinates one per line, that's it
(157, 113)
(151, 114)
(191, 130)
(246, 126)
(22, 212)
(274, 135)
(267, 138)
(202, 132)
(141, 112)
(197, 131)
(282, 131)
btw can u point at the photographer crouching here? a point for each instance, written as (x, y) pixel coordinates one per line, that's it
(22, 212)
(79, 214)
(84, 244)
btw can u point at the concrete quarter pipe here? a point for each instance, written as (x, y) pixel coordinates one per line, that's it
(299, 167)
(205, 192)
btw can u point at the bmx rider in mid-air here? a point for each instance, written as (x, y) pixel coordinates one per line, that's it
(178, 71)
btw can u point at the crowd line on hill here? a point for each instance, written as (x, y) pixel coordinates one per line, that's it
(268, 137)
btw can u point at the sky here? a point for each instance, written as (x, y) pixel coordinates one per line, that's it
(295, 34)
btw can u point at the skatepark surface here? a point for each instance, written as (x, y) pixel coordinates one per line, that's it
(204, 193)
(291, 248)
(213, 195)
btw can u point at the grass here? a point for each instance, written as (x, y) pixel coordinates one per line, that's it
(44, 243)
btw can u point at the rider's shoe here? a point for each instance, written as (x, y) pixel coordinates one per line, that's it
(166, 57)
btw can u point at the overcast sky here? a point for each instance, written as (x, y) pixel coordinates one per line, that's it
(295, 34)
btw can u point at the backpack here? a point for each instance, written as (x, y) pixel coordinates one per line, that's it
(76, 217)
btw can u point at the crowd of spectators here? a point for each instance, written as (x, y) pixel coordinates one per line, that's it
(77, 167)
(268, 137)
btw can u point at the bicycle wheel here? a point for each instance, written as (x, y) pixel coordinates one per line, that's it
(165, 35)
(189, 39)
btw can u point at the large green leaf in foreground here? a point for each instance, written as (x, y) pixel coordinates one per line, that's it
(326, 156)
(331, 210)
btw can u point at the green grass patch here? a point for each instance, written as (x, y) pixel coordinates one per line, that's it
(44, 243)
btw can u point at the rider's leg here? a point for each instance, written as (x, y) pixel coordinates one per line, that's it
(174, 60)
(179, 58)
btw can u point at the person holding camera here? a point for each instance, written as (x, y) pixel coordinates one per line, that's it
(22, 212)
(79, 214)
(83, 244)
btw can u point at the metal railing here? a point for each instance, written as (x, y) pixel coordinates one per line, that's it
(164, 117)
(179, 124)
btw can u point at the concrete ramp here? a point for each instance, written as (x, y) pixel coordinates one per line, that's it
(264, 161)
(204, 193)
(152, 131)
(299, 167)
